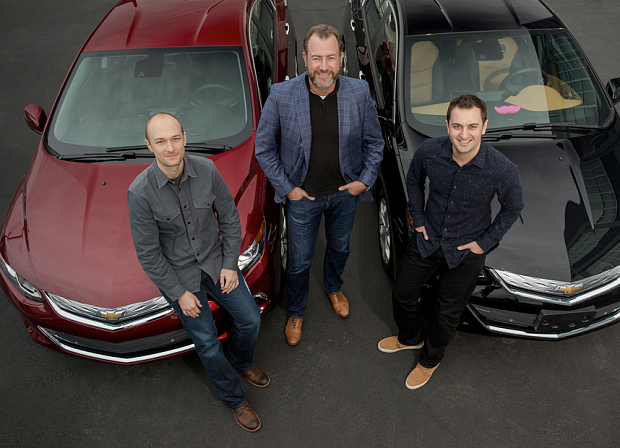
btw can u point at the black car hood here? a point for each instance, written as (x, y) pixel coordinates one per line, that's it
(569, 227)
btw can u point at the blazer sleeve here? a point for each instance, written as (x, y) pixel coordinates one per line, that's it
(372, 141)
(266, 146)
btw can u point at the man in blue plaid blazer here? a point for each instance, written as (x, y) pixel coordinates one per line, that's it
(319, 142)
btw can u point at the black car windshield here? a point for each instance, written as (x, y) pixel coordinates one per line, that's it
(110, 96)
(524, 77)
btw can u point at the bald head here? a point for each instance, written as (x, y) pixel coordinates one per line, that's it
(160, 117)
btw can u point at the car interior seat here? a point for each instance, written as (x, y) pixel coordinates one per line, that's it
(462, 73)
(424, 56)
(494, 60)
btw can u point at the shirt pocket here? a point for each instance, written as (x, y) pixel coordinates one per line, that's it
(169, 222)
(204, 208)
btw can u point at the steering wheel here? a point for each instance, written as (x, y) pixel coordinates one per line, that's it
(197, 98)
(513, 88)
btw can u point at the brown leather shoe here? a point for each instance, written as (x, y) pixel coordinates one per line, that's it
(256, 376)
(340, 303)
(293, 330)
(247, 418)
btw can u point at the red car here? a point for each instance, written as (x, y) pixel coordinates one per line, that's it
(67, 258)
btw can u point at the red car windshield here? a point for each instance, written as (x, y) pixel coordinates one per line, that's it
(111, 95)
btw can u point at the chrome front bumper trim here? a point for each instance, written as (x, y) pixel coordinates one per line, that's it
(104, 325)
(576, 299)
(544, 336)
(116, 359)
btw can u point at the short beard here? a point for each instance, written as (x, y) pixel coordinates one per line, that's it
(326, 85)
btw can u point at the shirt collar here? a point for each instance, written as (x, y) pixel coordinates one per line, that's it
(188, 171)
(445, 151)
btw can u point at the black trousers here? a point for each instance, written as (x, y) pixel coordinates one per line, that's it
(454, 287)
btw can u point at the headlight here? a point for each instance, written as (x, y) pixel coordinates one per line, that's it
(254, 252)
(25, 287)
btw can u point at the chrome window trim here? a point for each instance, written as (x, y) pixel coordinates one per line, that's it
(115, 359)
(587, 295)
(546, 336)
(275, 39)
(100, 324)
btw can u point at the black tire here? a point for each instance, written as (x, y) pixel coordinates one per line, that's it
(386, 232)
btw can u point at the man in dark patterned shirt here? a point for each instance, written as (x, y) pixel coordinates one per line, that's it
(453, 232)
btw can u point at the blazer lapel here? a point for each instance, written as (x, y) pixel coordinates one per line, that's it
(302, 104)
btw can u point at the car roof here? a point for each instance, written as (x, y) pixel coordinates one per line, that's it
(449, 16)
(134, 24)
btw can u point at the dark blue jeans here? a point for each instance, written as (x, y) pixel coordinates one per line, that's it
(222, 368)
(304, 218)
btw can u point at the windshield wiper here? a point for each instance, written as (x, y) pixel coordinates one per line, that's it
(208, 149)
(104, 156)
(545, 126)
(126, 148)
(194, 147)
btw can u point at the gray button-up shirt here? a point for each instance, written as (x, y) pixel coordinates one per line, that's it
(175, 229)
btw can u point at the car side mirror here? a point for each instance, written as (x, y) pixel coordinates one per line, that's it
(35, 117)
(613, 88)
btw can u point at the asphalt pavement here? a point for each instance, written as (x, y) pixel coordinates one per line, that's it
(335, 388)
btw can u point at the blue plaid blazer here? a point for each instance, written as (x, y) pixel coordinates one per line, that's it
(284, 135)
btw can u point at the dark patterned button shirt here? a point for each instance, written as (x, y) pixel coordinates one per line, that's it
(458, 208)
(175, 230)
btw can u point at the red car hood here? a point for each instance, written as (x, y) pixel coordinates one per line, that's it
(79, 241)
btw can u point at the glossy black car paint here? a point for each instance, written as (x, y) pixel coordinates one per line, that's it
(556, 172)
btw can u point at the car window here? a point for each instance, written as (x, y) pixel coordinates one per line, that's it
(385, 59)
(110, 96)
(374, 10)
(262, 39)
(524, 77)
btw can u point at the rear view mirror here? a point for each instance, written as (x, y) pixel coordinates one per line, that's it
(35, 117)
(613, 88)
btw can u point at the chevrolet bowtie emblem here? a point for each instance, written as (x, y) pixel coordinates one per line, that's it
(111, 314)
(569, 289)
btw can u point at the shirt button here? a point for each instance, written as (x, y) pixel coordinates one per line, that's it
(193, 239)
(189, 222)
(197, 255)
(451, 202)
(185, 206)
(455, 187)
(167, 219)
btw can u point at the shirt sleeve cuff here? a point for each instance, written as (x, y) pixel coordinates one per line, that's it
(367, 179)
(485, 242)
(230, 263)
(417, 218)
(286, 189)
(176, 292)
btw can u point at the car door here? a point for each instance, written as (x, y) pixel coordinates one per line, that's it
(381, 39)
(263, 43)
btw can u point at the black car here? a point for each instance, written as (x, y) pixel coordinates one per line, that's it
(556, 273)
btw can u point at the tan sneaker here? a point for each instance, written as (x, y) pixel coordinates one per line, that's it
(391, 345)
(419, 376)
(292, 331)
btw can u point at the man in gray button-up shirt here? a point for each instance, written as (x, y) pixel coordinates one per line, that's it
(188, 252)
